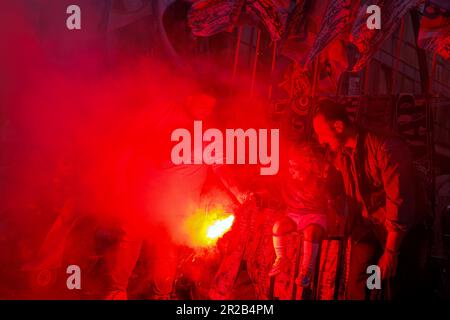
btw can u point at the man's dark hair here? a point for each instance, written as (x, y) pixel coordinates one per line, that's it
(332, 111)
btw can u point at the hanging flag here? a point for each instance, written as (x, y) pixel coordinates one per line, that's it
(332, 63)
(303, 29)
(296, 19)
(336, 23)
(434, 34)
(209, 17)
(303, 25)
(271, 14)
(368, 41)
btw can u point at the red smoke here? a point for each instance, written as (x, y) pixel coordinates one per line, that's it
(79, 128)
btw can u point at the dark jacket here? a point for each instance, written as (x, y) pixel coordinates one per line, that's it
(384, 189)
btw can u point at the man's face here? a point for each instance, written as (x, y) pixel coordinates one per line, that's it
(330, 134)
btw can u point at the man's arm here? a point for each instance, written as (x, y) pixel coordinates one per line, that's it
(397, 173)
(228, 177)
(393, 241)
(398, 179)
(389, 260)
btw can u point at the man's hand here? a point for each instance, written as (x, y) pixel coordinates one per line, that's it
(388, 264)
(389, 260)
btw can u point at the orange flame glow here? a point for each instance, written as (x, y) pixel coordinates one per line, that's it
(220, 227)
(205, 227)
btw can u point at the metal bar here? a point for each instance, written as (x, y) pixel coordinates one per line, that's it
(274, 59)
(255, 63)
(426, 81)
(366, 78)
(433, 71)
(315, 76)
(317, 277)
(339, 267)
(309, 129)
(236, 54)
(395, 66)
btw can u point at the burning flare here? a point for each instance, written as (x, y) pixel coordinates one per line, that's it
(205, 227)
(220, 227)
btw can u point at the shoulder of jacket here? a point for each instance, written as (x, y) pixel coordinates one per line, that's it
(381, 138)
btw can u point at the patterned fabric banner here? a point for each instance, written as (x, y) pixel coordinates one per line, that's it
(304, 24)
(337, 20)
(368, 41)
(434, 35)
(271, 15)
(209, 17)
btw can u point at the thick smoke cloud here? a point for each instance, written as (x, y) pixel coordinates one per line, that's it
(86, 129)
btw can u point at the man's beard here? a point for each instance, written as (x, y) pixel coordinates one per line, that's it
(339, 143)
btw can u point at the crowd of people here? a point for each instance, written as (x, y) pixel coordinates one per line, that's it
(371, 170)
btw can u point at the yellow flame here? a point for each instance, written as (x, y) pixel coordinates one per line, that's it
(220, 227)
(204, 228)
